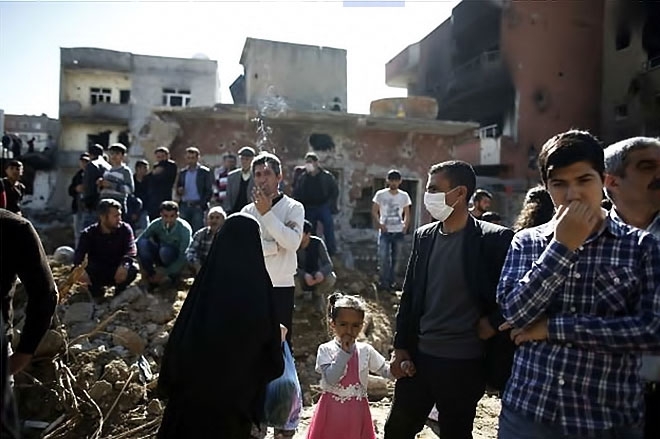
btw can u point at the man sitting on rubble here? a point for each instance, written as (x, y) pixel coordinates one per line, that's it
(110, 249)
(163, 244)
(203, 238)
(314, 276)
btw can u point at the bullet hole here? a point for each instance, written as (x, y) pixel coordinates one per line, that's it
(321, 142)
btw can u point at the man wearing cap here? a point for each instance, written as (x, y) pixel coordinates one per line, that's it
(93, 172)
(316, 189)
(391, 214)
(76, 189)
(117, 182)
(240, 182)
(195, 189)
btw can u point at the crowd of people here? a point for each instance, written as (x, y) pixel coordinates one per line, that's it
(560, 314)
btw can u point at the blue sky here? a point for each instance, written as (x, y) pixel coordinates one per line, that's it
(31, 34)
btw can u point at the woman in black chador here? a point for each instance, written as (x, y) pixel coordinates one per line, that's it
(225, 345)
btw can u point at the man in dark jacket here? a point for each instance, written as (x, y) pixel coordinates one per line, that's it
(317, 190)
(93, 174)
(446, 327)
(76, 190)
(110, 249)
(240, 183)
(194, 189)
(161, 181)
(23, 256)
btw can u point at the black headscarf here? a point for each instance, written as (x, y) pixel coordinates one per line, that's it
(225, 345)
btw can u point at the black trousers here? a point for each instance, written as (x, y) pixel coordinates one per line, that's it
(102, 277)
(283, 304)
(454, 386)
(652, 421)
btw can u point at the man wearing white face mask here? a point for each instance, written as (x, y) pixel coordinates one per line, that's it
(446, 334)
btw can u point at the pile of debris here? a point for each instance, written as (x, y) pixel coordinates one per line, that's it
(94, 374)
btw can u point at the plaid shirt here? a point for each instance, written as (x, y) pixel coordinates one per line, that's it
(200, 245)
(603, 305)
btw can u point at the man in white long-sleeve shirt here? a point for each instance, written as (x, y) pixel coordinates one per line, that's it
(281, 220)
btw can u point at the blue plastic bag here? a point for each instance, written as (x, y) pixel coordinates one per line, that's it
(284, 396)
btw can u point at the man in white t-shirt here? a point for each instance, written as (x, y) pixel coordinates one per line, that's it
(391, 214)
(281, 220)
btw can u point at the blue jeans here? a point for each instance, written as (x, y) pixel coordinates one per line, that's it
(151, 254)
(516, 425)
(194, 214)
(78, 220)
(323, 215)
(389, 245)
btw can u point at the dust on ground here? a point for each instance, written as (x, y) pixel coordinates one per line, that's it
(94, 375)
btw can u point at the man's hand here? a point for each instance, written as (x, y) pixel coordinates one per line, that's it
(179, 190)
(80, 188)
(262, 202)
(309, 280)
(382, 227)
(157, 170)
(537, 331)
(575, 222)
(484, 329)
(399, 356)
(105, 183)
(18, 361)
(318, 277)
(121, 274)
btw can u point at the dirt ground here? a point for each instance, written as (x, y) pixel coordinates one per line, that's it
(95, 372)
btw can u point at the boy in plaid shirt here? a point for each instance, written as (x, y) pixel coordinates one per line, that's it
(582, 293)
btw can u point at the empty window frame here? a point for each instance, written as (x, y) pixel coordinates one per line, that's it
(176, 97)
(97, 94)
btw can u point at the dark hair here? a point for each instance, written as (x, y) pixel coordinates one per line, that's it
(267, 158)
(393, 174)
(616, 155)
(193, 149)
(311, 156)
(14, 164)
(169, 206)
(459, 173)
(537, 209)
(307, 226)
(141, 163)
(95, 150)
(338, 301)
(480, 194)
(106, 204)
(161, 149)
(118, 147)
(568, 148)
(490, 217)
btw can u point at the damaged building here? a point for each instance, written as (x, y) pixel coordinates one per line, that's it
(528, 70)
(106, 96)
(357, 149)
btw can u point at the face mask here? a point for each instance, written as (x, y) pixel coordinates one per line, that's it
(437, 205)
(309, 167)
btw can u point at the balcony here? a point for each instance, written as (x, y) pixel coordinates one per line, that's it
(100, 113)
(401, 70)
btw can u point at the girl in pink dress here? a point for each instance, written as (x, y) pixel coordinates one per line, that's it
(344, 365)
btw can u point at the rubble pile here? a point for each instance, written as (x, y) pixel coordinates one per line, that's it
(94, 374)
